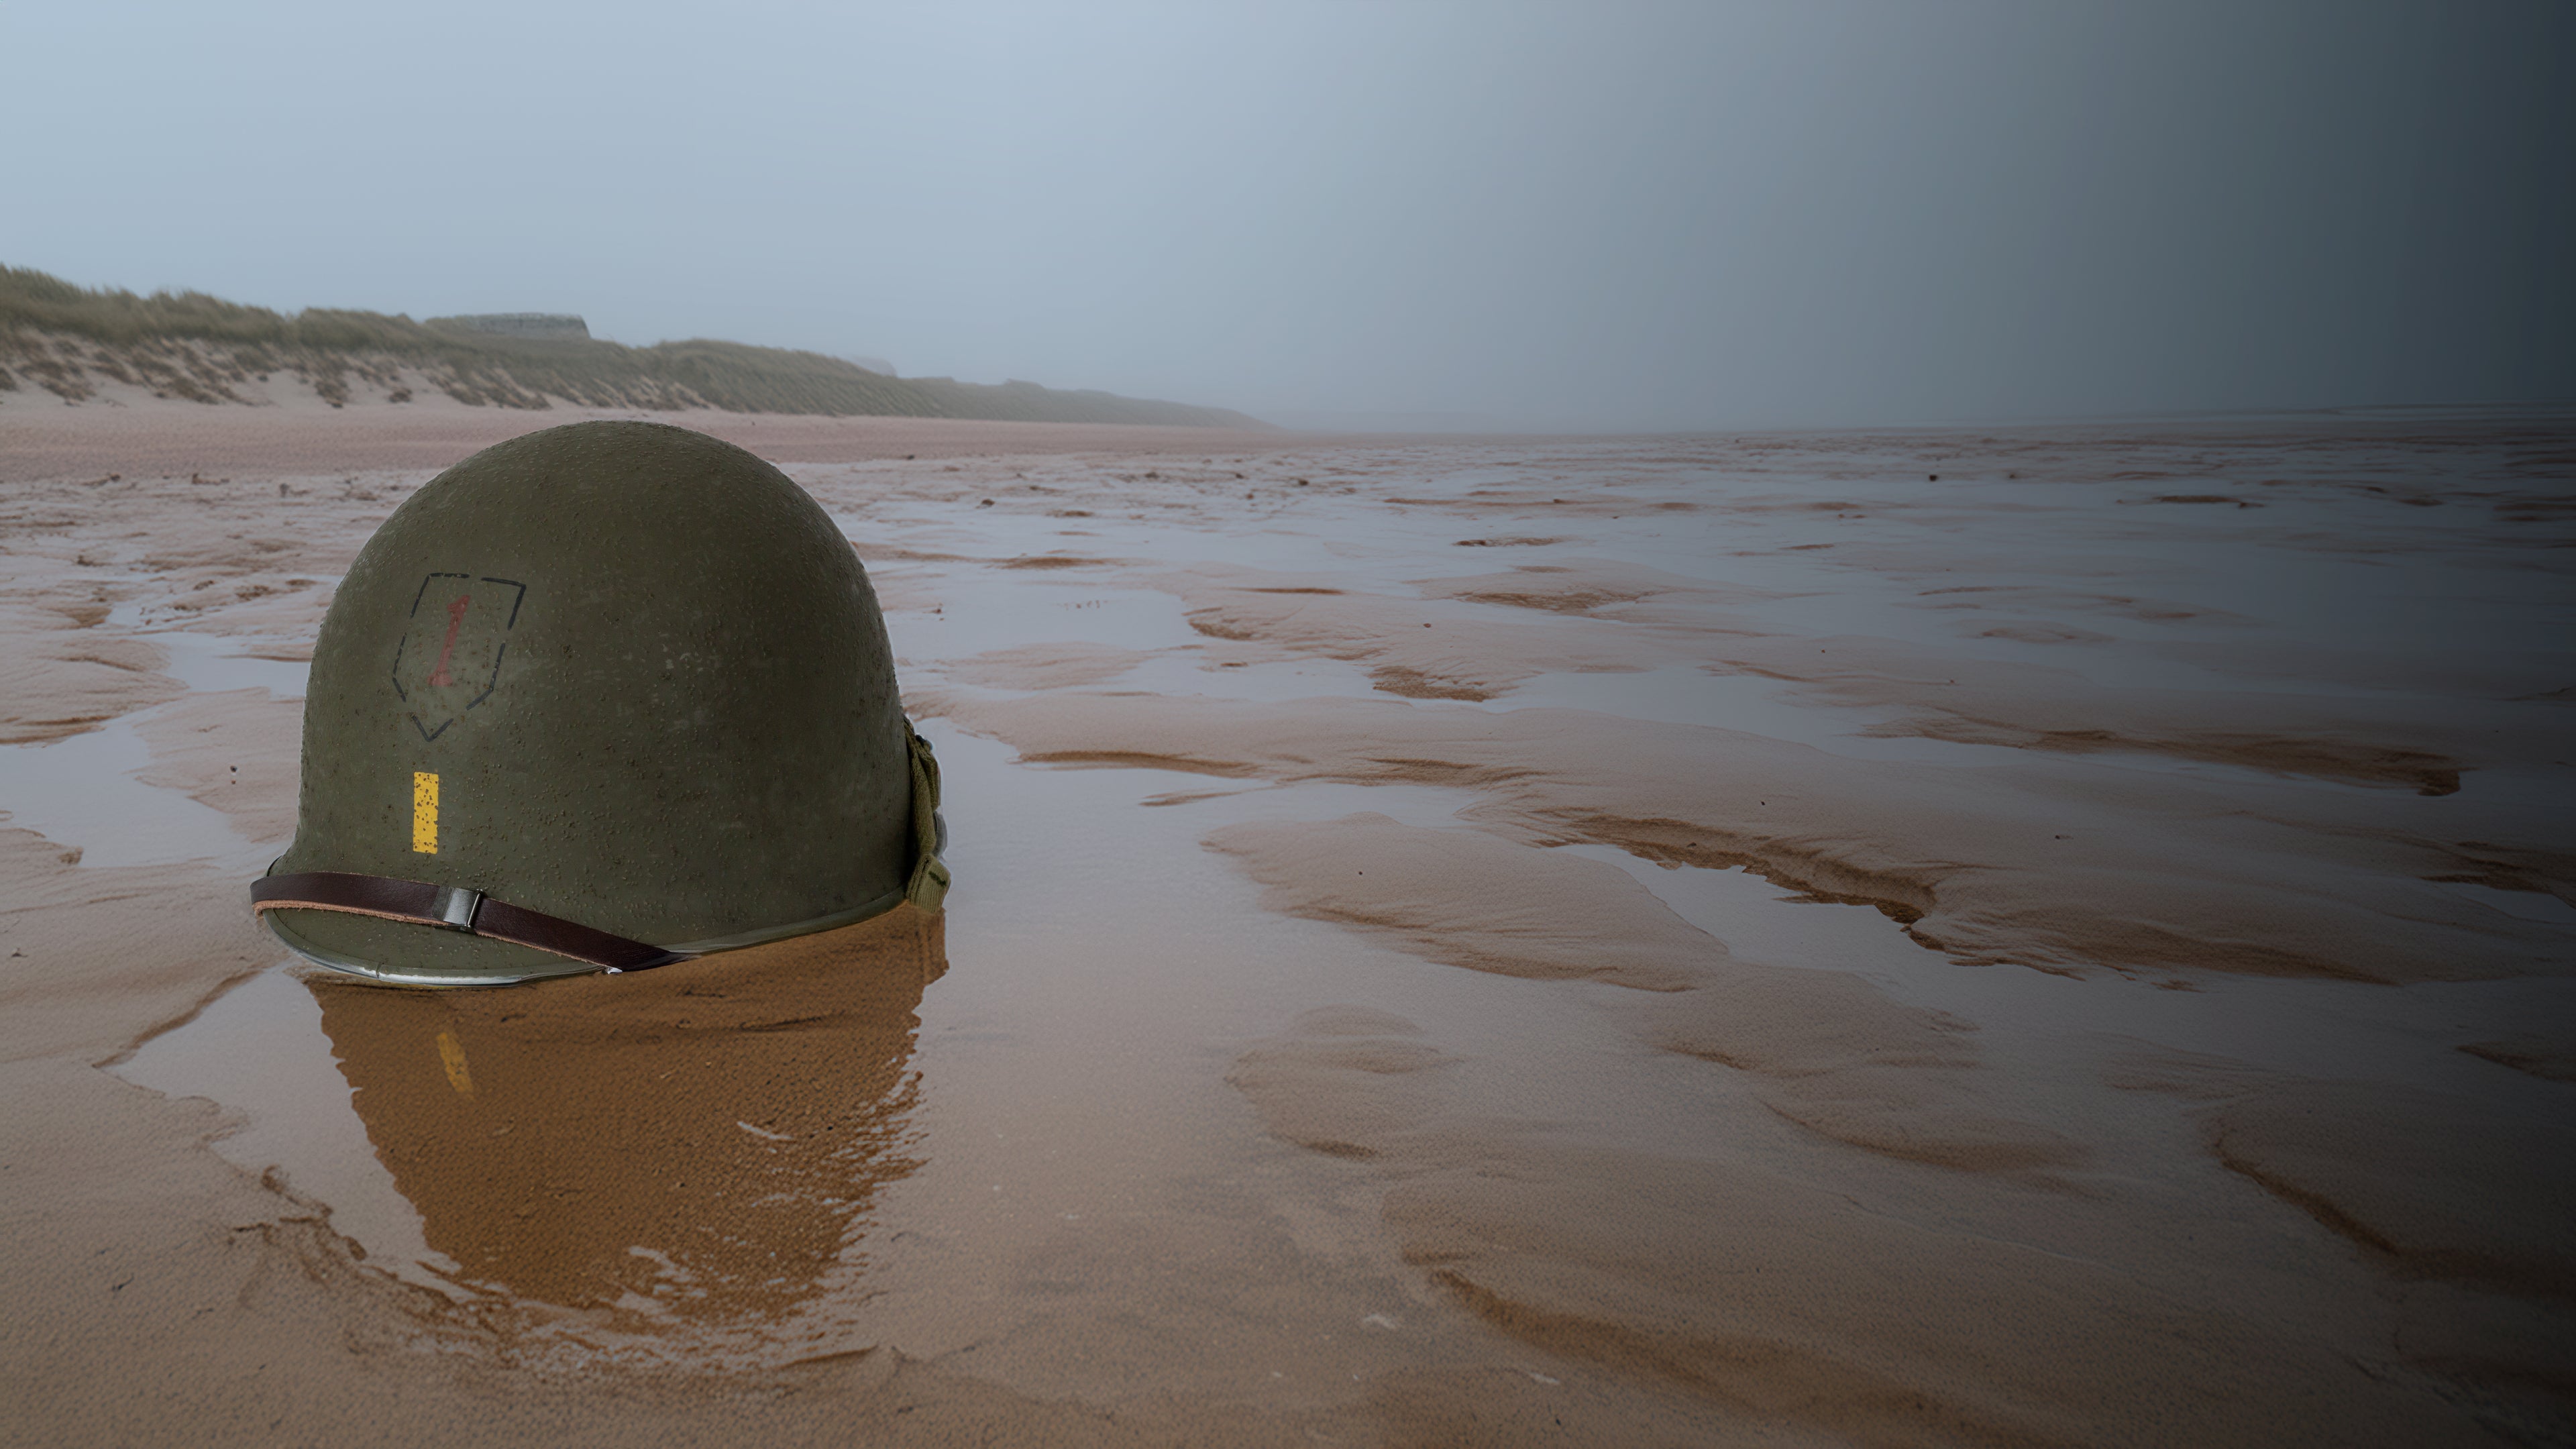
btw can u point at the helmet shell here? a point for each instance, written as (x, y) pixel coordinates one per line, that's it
(617, 672)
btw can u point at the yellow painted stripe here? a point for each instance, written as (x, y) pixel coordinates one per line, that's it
(424, 813)
(451, 1055)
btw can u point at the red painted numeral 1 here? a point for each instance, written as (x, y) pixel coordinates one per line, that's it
(455, 621)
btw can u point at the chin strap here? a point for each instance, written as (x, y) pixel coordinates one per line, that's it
(456, 908)
(929, 883)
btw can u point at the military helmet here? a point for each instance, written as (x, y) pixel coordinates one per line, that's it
(601, 697)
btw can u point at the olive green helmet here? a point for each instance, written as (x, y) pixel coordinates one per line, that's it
(600, 697)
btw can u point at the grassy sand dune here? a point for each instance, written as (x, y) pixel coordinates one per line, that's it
(69, 340)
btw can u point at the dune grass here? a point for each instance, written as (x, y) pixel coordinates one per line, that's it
(190, 345)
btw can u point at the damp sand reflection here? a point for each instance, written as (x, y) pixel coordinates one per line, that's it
(690, 1154)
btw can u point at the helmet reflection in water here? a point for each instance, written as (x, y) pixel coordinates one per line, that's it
(690, 1148)
(605, 696)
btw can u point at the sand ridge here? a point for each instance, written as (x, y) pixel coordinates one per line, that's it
(1974, 861)
(1834, 1053)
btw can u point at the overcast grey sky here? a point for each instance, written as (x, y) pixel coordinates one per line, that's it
(1594, 213)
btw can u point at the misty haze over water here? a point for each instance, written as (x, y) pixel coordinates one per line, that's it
(1421, 215)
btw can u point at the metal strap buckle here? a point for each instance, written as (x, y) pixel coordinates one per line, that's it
(455, 906)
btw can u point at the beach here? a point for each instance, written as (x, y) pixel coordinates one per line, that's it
(2040, 935)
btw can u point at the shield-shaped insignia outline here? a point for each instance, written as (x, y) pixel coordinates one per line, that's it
(449, 660)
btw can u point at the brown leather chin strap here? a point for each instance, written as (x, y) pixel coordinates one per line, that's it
(456, 909)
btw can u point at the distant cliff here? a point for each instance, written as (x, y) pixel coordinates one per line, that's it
(70, 340)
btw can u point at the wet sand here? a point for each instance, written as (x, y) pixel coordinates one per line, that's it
(1605, 941)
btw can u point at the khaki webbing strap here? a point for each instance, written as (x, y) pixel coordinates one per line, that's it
(929, 883)
(456, 909)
